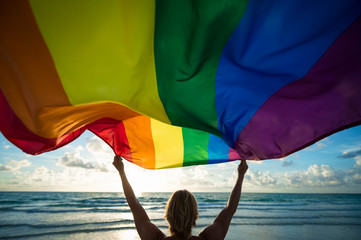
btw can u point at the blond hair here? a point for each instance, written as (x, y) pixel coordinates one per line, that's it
(181, 213)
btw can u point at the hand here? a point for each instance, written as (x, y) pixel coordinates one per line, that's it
(118, 164)
(242, 168)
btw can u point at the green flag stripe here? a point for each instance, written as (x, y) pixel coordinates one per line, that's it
(188, 42)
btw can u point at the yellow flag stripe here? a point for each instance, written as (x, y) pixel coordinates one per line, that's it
(103, 52)
(168, 145)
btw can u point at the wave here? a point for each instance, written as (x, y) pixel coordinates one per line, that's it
(212, 203)
(153, 199)
(297, 217)
(300, 223)
(311, 209)
(86, 205)
(276, 207)
(356, 216)
(69, 207)
(75, 231)
(345, 203)
(270, 220)
(155, 208)
(64, 229)
(201, 226)
(115, 201)
(5, 209)
(67, 232)
(66, 208)
(41, 226)
(3, 202)
(72, 225)
(273, 204)
(72, 210)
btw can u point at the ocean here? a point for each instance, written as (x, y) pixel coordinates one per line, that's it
(77, 215)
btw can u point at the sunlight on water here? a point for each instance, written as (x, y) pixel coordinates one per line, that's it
(127, 234)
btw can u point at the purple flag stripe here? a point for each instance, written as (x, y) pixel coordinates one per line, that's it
(326, 100)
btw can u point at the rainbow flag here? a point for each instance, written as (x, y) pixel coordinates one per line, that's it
(178, 83)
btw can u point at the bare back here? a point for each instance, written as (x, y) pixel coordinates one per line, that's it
(192, 238)
(147, 230)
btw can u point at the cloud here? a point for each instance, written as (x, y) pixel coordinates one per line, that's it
(260, 178)
(41, 175)
(357, 162)
(79, 148)
(15, 166)
(5, 168)
(318, 176)
(356, 178)
(7, 147)
(74, 160)
(97, 146)
(199, 177)
(255, 162)
(351, 154)
(318, 146)
(68, 179)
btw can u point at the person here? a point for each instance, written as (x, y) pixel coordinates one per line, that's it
(181, 211)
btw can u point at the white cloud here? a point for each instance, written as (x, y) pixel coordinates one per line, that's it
(5, 168)
(255, 162)
(358, 162)
(260, 178)
(198, 177)
(74, 160)
(97, 146)
(68, 179)
(7, 147)
(20, 164)
(15, 166)
(41, 175)
(80, 173)
(356, 178)
(318, 145)
(77, 171)
(79, 148)
(317, 176)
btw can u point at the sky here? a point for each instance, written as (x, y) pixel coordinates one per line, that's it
(332, 165)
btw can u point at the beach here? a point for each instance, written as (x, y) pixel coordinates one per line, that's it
(68, 215)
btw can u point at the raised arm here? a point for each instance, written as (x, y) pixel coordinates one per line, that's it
(145, 228)
(219, 228)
